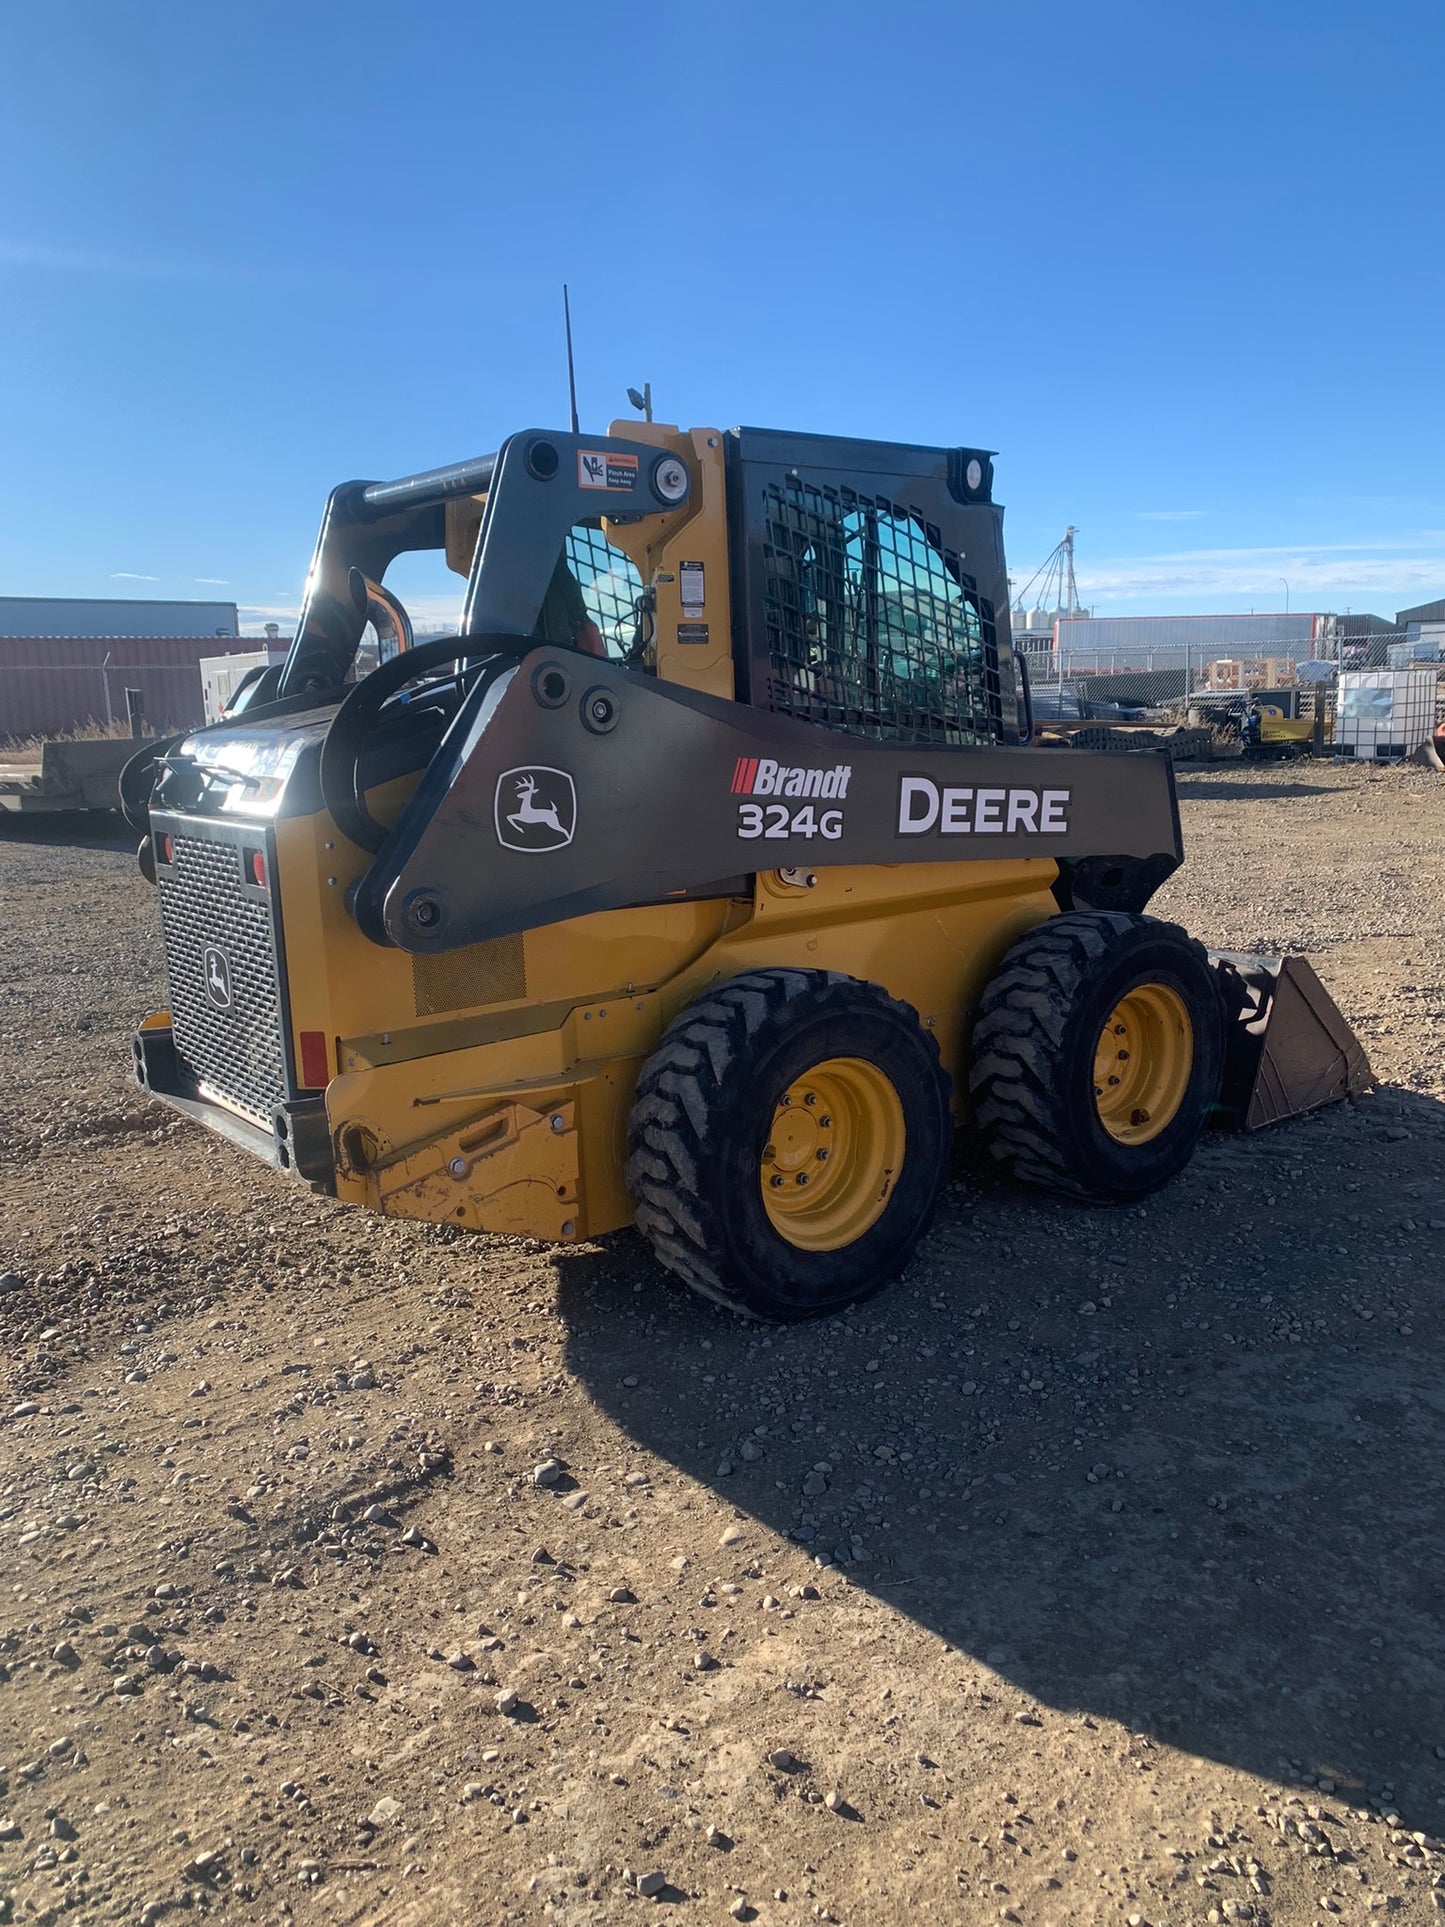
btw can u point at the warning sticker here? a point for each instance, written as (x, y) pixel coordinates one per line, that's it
(692, 581)
(598, 468)
(692, 632)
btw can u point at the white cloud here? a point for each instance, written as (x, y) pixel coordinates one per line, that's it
(43, 258)
(252, 617)
(129, 575)
(1320, 576)
(436, 614)
(212, 581)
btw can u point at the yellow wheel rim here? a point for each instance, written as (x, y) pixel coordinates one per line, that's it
(1142, 1063)
(833, 1154)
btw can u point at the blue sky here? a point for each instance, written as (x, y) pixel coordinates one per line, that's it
(1182, 267)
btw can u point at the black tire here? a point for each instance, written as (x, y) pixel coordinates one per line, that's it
(1042, 1019)
(706, 1106)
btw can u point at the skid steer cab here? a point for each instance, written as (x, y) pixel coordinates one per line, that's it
(702, 879)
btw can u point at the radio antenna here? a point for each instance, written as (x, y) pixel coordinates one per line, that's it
(571, 372)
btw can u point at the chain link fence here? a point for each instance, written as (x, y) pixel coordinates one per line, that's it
(1214, 692)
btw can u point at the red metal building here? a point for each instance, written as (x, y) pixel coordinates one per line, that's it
(50, 685)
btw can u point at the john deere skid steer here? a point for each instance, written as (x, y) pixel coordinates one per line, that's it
(703, 879)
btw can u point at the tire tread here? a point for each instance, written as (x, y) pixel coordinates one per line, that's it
(680, 1095)
(1016, 1098)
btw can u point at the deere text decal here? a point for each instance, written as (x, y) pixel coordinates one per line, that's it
(949, 809)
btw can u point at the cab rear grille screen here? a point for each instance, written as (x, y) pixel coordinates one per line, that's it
(872, 625)
(225, 993)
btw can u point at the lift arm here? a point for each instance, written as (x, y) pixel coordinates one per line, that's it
(568, 785)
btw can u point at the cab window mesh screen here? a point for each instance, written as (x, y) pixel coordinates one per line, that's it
(872, 625)
(610, 586)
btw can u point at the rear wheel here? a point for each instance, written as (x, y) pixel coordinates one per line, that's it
(789, 1140)
(1097, 1055)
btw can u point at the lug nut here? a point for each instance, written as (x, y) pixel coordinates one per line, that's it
(776, 1182)
(823, 1155)
(802, 1178)
(811, 1098)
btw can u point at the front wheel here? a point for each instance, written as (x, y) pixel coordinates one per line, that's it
(789, 1141)
(1097, 1054)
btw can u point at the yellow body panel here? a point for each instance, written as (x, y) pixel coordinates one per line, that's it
(659, 544)
(516, 1166)
(444, 1113)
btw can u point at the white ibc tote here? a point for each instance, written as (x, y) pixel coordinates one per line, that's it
(1384, 714)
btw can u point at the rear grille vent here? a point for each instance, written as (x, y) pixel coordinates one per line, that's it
(225, 994)
(483, 973)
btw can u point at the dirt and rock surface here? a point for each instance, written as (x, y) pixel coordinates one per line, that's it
(353, 1571)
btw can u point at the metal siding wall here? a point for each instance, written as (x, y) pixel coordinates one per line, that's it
(93, 650)
(111, 616)
(1120, 635)
(51, 685)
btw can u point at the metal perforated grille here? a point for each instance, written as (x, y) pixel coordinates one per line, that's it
(234, 1051)
(872, 624)
(482, 973)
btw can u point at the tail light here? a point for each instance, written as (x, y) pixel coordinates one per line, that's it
(315, 1064)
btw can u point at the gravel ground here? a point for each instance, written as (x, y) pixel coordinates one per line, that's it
(355, 1571)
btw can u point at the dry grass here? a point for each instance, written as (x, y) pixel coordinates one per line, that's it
(87, 732)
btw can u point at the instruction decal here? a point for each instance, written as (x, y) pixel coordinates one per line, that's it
(692, 580)
(692, 632)
(601, 468)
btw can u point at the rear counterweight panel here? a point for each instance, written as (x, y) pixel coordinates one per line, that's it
(225, 962)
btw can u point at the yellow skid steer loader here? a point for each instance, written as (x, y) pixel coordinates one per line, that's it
(702, 880)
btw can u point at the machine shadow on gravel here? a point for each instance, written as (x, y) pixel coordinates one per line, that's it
(69, 830)
(1225, 789)
(1178, 1466)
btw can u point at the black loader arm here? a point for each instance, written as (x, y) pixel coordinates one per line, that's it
(570, 785)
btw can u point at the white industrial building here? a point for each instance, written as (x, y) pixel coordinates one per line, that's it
(1146, 642)
(1423, 631)
(80, 616)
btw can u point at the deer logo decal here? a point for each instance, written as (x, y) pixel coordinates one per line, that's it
(218, 977)
(535, 809)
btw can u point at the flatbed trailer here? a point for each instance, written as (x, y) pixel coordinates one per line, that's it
(56, 774)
